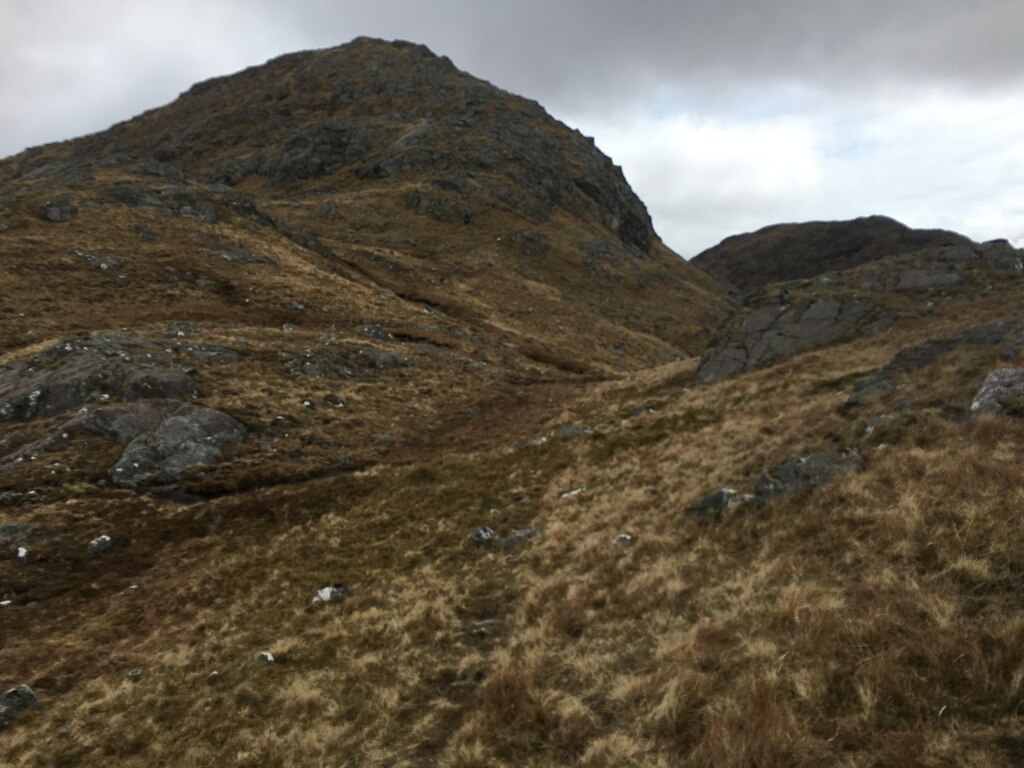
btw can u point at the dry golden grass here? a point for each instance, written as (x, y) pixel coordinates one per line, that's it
(876, 621)
(873, 622)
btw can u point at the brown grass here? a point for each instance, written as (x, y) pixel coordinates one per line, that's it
(873, 622)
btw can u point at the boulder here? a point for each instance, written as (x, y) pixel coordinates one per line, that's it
(189, 435)
(100, 545)
(331, 594)
(59, 210)
(1002, 392)
(14, 702)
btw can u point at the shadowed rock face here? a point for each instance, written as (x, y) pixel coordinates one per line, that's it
(775, 332)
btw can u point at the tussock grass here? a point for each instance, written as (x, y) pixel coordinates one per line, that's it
(875, 621)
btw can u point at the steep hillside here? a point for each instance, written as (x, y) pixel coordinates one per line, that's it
(370, 167)
(793, 251)
(351, 414)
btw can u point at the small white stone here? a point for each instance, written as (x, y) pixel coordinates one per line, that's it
(265, 657)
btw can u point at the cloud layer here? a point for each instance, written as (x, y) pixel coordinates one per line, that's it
(726, 115)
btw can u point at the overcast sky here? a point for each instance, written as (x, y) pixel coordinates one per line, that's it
(726, 115)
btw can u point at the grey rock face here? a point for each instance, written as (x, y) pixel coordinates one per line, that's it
(1002, 392)
(87, 369)
(316, 150)
(189, 435)
(792, 476)
(925, 279)
(1008, 332)
(383, 359)
(775, 332)
(14, 702)
(1001, 255)
(246, 258)
(163, 438)
(149, 383)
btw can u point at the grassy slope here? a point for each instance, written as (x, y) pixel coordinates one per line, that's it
(874, 622)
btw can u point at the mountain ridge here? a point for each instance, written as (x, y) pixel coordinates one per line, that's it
(389, 434)
(781, 252)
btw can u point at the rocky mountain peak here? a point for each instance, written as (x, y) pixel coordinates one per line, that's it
(351, 116)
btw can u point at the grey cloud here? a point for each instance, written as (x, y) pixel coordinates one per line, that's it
(67, 68)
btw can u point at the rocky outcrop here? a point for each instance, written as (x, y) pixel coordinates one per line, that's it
(802, 472)
(168, 438)
(1002, 392)
(163, 438)
(1008, 332)
(90, 369)
(777, 331)
(792, 476)
(373, 111)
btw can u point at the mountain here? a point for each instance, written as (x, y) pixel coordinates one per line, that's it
(793, 251)
(352, 413)
(380, 166)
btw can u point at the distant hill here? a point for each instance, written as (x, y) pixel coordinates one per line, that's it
(792, 251)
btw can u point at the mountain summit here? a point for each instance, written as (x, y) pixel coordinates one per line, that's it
(391, 167)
